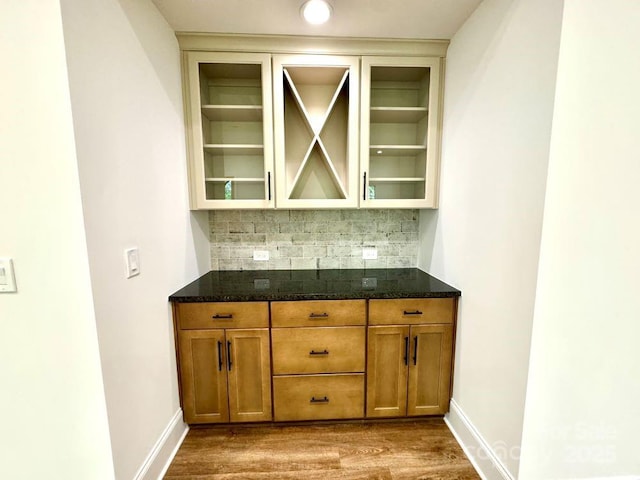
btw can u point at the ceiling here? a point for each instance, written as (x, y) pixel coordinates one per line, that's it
(430, 19)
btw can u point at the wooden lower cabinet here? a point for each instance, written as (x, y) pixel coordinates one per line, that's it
(409, 370)
(332, 359)
(225, 375)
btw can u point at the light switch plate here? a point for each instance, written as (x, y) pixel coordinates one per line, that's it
(132, 262)
(7, 276)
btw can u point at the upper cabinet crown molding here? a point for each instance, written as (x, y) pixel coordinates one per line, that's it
(286, 44)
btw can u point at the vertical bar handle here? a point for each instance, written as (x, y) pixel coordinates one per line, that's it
(269, 184)
(219, 355)
(406, 350)
(229, 355)
(415, 350)
(364, 186)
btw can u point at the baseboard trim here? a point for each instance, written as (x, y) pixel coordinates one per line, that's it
(480, 454)
(162, 453)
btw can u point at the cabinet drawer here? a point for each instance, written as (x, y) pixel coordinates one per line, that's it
(318, 313)
(409, 311)
(318, 350)
(223, 315)
(318, 397)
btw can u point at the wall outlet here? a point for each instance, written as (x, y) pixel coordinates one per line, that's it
(369, 253)
(261, 255)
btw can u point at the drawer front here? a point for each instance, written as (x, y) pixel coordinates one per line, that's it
(318, 350)
(321, 313)
(223, 315)
(318, 397)
(411, 311)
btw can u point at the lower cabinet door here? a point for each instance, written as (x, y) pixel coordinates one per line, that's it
(387, 360)
(203, 376)
(318, 397)
(430, 369)
(249, 370)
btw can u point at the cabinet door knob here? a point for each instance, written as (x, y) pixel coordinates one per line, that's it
(323, 352)
(319, 400)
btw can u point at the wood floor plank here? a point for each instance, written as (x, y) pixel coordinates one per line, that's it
(422, 449)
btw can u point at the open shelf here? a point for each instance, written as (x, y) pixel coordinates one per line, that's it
(397, 114)
(228, 149)
(233, 113)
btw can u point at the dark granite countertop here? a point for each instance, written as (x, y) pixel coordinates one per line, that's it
(265, 285)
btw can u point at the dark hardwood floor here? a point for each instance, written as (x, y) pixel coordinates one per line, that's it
(422, 449)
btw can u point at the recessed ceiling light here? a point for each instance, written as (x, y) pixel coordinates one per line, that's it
(316, 12)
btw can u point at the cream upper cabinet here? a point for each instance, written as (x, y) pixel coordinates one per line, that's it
(316, 101)
(229, 124)
(400, 132)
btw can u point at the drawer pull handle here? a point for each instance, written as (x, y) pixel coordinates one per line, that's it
(324, 352)
(219, 355)
(319, 400)
(319, 315)
(229, 354)
(222, 316)
(414, 312)
(406, 350)
(415, 350)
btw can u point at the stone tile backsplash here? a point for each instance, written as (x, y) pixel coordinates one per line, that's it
(310, 239)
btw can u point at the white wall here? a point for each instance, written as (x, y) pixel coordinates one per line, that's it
(124, 73)
(501, 69)
(54, 421)
(583, 400)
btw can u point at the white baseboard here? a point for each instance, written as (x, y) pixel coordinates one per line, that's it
(480, 454)
(162, 453)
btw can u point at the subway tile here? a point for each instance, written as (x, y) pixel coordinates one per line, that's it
(290, 251)
(329, 262)
(351, 262)
(230, 264)
(409, 226)
(214, 264)
(403, 215)
(363, 227)
(252, 216)
(402, 237)
(303, 263)
(276, 216)
(225, 239)
(253, 239)
(338, 227)
(251, 264)
(338, 251)
(314, 251)
(400, 262)
(280, 264)
(218, 227)
(225, 215)
(219, 251)
(267, 227)
(315, 227)
(380, 262)
(389, 227)
(291, 227)
(241, 227)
